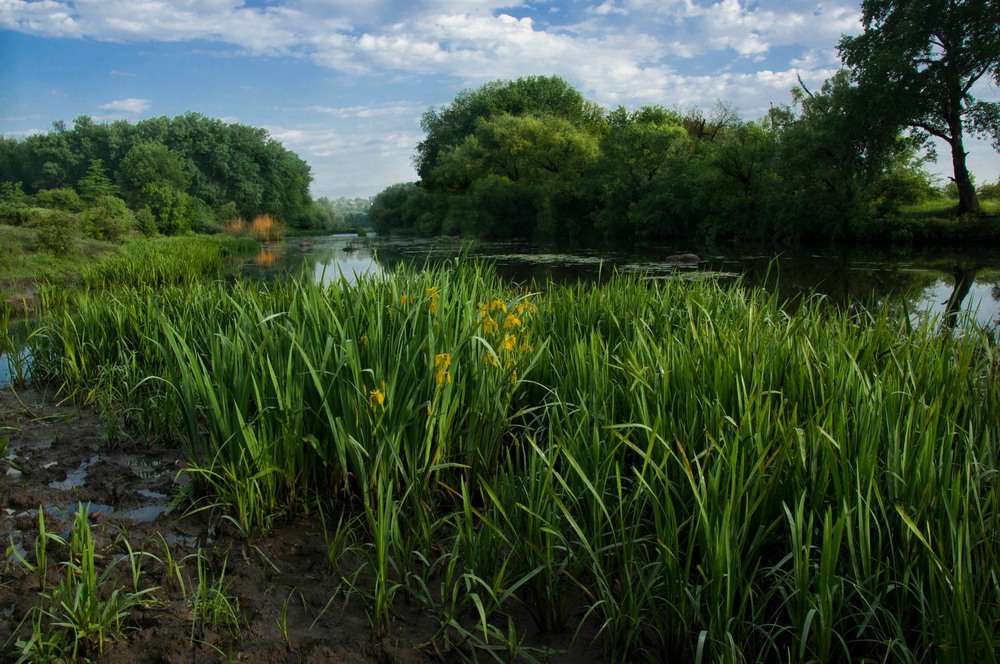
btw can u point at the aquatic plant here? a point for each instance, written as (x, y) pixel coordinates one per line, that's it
(704, 473)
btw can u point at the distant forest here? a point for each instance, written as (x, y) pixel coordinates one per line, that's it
(165, 175)
(533, 158)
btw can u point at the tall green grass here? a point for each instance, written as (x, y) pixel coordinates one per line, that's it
(695, 471)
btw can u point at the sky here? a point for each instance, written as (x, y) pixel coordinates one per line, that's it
(343, 83)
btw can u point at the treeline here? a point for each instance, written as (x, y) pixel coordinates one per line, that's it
(532, 158)
(166, 175)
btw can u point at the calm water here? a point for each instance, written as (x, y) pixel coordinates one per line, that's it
(922, 281)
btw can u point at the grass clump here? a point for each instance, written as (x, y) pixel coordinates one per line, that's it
(705, 474)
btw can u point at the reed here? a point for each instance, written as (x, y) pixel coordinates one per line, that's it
(695, 470)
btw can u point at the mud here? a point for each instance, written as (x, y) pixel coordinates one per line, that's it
(292, 606)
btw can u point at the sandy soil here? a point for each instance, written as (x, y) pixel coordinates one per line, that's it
(60, 456)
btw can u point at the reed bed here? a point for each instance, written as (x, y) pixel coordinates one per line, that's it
(166, 261)
(695, 471)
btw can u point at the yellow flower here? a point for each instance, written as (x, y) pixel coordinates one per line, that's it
(498, 304)
(376, 397)
(441, 362)
(433, 294)
(511, 321)
(525, 348)
(363, 341)
(490, 358)
(509, 342)
(490, 325)
(404, 300)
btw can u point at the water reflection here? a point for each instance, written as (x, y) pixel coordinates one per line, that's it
(328, 259)
(946, 283)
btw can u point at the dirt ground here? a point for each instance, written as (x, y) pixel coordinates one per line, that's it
(60, 457)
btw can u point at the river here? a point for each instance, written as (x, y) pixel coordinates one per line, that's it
(929, 282)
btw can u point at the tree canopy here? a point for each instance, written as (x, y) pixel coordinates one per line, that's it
(919, 60)
(181, 168)
(533, 158)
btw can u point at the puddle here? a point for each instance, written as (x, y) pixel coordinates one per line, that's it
(141, 469)
(143, 514)
(15, 370)
(189, 541)
(74, 478)
(153, 495)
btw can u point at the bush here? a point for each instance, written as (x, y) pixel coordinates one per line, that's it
(145, 222)
(203, 219)
(13, 214)
(990, 191)
(55, 232)
(107, 219)
(265, 228)
(60, 199)
(14, 209)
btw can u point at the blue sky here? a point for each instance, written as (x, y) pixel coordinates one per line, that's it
(343, 82)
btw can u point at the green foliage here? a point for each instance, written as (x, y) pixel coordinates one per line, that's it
(171, 208)
(706, 475)
(83, 609)
(60, 199)
(919, 62)
(531, 158)
(448, 127)
(55, 232)
(152, 164)
(990, 191)
(14, 208)
(203, 158)
(145, 221)
(107, 218)
(95, 184)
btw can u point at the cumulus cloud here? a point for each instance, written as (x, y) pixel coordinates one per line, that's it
(615, 51)
(130, 105)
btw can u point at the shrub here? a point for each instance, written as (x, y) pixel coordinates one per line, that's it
(265, 228)
(14, 209)
(55, 232)
(60, 199)
(107, 219)
(145, 222)
(203, 219)
(990, 191)
(235, 227)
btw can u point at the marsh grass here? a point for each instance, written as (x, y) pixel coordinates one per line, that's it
(699, 473)
(84, 607)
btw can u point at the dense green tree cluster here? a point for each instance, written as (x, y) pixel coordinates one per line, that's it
(187, 172)
(532, 158)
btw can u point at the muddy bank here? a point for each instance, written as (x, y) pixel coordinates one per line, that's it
(292, 606)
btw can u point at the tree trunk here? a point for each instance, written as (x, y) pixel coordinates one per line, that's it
(968, 202)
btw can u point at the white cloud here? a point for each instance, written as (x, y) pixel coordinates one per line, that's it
(392, 109)
(130, 105)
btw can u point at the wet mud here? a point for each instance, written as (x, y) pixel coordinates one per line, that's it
(291, 605)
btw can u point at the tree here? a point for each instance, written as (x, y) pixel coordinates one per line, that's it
(447, 127)
(95, 183)
(641, 160)
(921, 59)
(529, 161)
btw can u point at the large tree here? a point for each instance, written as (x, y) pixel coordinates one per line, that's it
(448, 127)
(922, 59)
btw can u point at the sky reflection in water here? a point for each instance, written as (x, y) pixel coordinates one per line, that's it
(922, 281)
